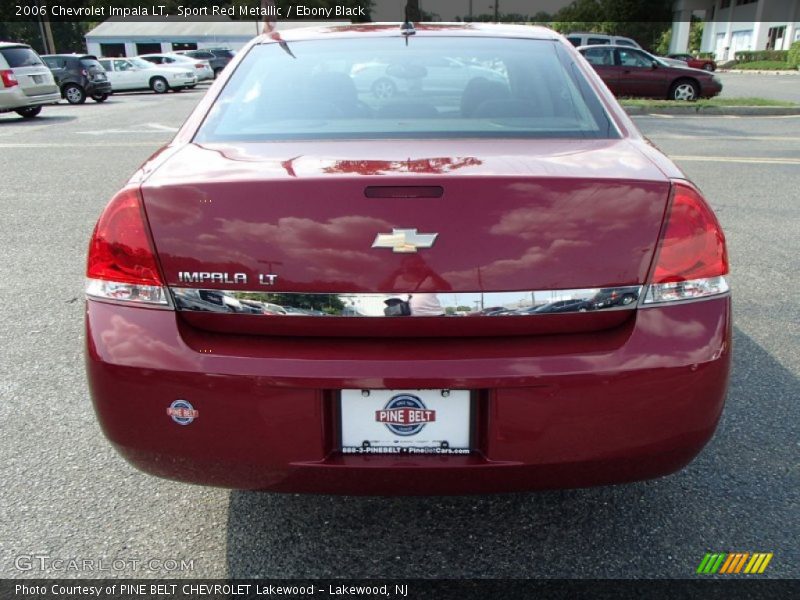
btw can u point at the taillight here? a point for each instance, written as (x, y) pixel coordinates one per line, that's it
(8, 77)
(199, 66)
(122, 263)
(692, 259)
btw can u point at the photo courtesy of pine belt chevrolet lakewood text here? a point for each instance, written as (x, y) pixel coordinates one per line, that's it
(417, 259)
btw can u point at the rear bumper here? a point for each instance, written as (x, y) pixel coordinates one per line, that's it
(14, 98)
(636, 402)
(98, 87)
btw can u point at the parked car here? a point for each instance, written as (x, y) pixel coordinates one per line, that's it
(673, 62)
(272, 190)
(126, 74)
(609, 298)
(26, 84)
(79, 76)
(217, 58)
(694, 62)
(417, 75)
(202, 69)
(595, 39)
(564, 306)
(636, 73)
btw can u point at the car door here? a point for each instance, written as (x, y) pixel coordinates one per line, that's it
(637, 75)
(116, 78)
(602, 59)
(111, 73)
(132, 78)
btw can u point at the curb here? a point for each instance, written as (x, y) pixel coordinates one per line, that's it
(760, 72)
(737, 111)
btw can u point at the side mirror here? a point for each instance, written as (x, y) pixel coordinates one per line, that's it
(655, 64)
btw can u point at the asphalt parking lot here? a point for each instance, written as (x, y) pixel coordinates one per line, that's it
(757, 85)
(66, 494)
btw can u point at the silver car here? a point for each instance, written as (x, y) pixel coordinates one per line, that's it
(25, 81)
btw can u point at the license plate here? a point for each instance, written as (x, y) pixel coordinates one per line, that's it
(405, 421)
(38, 78)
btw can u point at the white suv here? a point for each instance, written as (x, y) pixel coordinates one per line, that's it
(25, 81)
(596, 39)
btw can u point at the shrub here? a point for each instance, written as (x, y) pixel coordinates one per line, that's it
(794, 55)
(764, 65)
(710, 55)
(752, 56)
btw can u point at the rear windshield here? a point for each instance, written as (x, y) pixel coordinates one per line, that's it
(90, 63)
(383, 88)
(20, 57)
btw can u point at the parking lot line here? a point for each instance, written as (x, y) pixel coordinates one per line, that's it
(749, 138)
(740, 159)
(74, 146)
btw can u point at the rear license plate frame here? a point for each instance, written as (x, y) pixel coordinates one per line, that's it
(364, 430)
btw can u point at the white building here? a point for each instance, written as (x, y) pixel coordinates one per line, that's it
(735, 25)
(128, 37)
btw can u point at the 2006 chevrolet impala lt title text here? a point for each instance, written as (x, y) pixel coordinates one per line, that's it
(408, 260)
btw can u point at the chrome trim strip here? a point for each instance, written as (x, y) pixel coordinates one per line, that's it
(488, 304)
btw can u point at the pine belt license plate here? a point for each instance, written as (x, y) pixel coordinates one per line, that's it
(405, 421)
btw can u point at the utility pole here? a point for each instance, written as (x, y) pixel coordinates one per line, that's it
(41, 33)
(50, 47)
(496, 11)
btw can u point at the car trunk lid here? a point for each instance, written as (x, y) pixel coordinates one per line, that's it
(536, 216)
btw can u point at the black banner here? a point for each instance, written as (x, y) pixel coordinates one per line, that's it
(578, 12)
(335, 589)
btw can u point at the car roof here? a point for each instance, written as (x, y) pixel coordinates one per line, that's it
(421, 30)
(13, 45)
(622, 46)
(73, 55)
(596, 34)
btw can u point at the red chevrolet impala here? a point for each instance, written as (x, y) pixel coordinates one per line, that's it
(483, 281)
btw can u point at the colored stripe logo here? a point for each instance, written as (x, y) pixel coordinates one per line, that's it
(732, 563)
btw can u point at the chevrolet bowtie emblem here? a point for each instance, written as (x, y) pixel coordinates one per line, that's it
(404, 240)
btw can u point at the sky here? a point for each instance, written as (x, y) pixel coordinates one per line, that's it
(393, 10)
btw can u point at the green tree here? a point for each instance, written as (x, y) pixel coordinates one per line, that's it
(643, 20)
(662, 47)
(696, 35)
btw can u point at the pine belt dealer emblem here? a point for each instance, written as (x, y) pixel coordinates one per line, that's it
(404, 240)
(182, 412)
(405, 415)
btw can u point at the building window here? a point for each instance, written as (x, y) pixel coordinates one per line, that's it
(148, 48)
(184, 46)
(725, 4)
(740, 2)
(775, 37)
(112, 50)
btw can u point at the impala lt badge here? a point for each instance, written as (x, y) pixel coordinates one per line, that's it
(229, 278)
(404, 240)
(204, 276)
